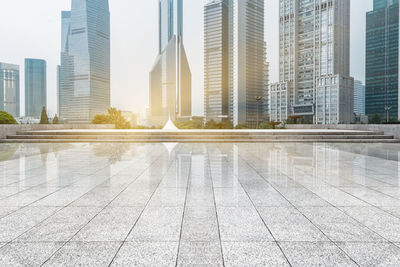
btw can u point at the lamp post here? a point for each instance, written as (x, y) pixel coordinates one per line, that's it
(258, 99)
(387, 108)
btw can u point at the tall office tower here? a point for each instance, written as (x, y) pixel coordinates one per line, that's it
(218, 60)
(314, 46)
(382, 61)
(236, 71)
(9, 88)
(170, 77)
(359, 98)
(249, 62)
(35, 87)
(84, 73)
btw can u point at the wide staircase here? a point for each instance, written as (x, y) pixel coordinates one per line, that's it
(198, 136)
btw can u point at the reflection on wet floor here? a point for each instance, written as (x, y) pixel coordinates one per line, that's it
(200, 204)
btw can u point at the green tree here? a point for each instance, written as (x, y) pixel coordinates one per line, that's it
(376, 119)
(189, 125)
(56, 120)
(274, 124)
(113, 116)
(211, 124)
(44, 119)
(7, 118)
(241, 127)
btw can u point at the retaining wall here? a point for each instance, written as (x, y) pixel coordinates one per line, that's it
(10, 129)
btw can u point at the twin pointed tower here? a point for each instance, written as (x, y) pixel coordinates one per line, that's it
(170, 77)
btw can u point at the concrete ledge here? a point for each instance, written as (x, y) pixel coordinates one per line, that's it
(11, 129)
(389, 129)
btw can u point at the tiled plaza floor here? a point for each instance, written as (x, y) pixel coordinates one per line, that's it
(199, 205)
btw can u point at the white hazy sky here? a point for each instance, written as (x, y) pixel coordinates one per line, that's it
(31, 28)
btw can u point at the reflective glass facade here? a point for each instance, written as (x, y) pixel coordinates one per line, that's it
(35, 87)
(84, 85)
(170, 77)
(249, 59)
(382, 60)
(9, 89)
(359, 98)
(217, 60)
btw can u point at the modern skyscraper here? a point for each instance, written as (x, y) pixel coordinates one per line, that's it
(84, 73)
(314, 79)
(249, 62)
(236, 71)
(218, 60)
(9, 89)
(382, 61)
(35, 87)
(170, 78)
(359, 98)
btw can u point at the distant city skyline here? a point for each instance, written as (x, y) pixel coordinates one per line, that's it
(133, 48)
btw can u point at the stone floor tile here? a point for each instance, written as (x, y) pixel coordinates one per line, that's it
(200, 225)
(158, 224)
(22, 220)
(315, 254)
(147, 254)
(337, 225)
(27, 254)
(4, 211)
(267, 198)
(98, 197)
(241, 224)
(200, 197)
(168, 197)
(372, 254)
(372, 197)
(302, 197)
(111, 224)
(253, 254)
(288, 224)
(383, 223)
(62, 226)
(85, 254)
(133, 198)
(200, 254)
(231, 197)
(337, 197)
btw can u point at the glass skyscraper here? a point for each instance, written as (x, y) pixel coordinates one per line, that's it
(218, 61)
(235, 67)
(35, 87)
(170, 77)
(84, 73)
(382, 60)
(9, 89)
(359, 98)
(314, 55)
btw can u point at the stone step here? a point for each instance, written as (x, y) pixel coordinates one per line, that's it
(203, 137)
(201, 132)
(241, 140)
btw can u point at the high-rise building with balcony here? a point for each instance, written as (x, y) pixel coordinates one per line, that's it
(236, 71)
(9, 89)
(382, 61)
(314, 48)
(359, 98)
(35, 87)
(84, 73)
(170, 77)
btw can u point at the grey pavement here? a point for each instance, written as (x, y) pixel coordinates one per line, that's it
(275, 204)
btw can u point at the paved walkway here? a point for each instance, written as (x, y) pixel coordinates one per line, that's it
(199, 204)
